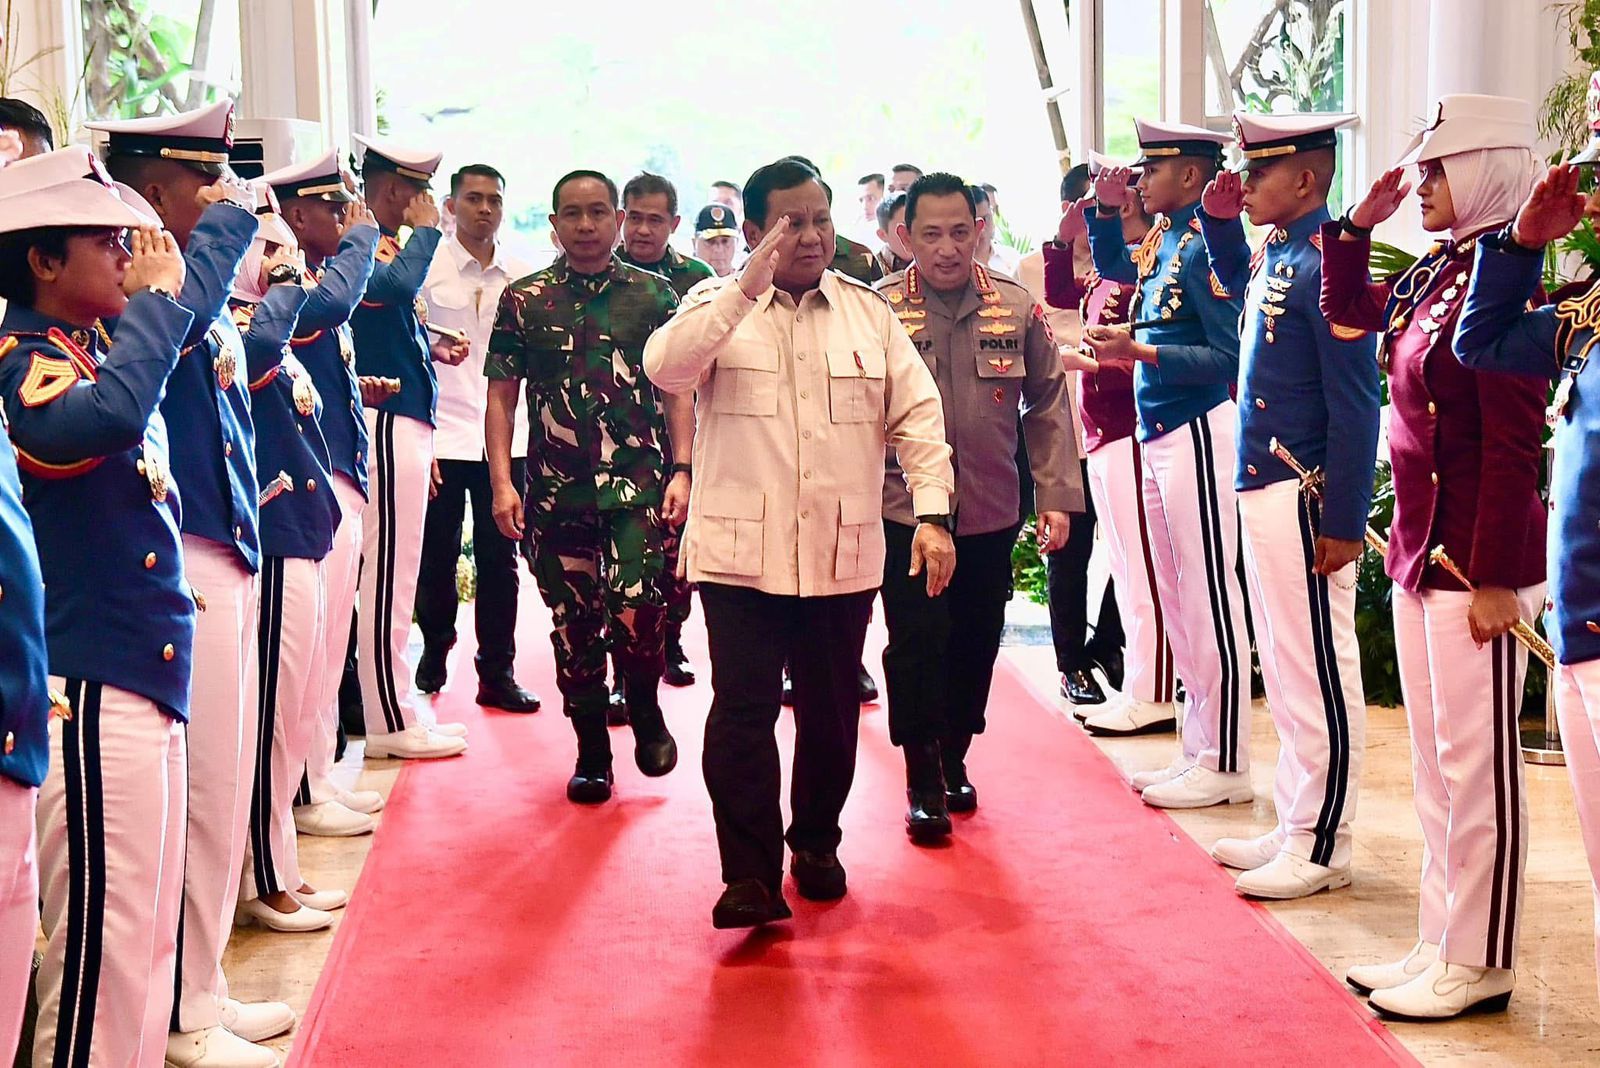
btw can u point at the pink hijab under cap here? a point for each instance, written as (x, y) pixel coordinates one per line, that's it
(1487, 186)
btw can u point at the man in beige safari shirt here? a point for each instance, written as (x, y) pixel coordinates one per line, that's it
(803, 378)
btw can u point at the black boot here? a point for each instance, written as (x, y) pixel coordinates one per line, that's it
(591, 779)
(678, 672)
(653, 747)
(431, 669)
(927, 817)
(959, 793)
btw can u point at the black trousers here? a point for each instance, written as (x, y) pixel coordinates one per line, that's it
(940, 658)
(751, 635)
(1067, 579)
(495, 609)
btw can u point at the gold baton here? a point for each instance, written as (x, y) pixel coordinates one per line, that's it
(1521, 630)
(282, 484)
(1311, 484)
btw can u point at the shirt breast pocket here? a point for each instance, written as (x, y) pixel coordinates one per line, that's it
(746, 382)
(727, 530)
(1001, 372)
(855, 384)
(450, 299)
(550, 351)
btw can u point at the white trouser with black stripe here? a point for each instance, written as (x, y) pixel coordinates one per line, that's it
(1466, 761)
(1194, 541)
(391, 553)
(1306, 635)
(111, 839)
(19, 908)
(222, 749)
(339, 570)
(292, 644)
(1116, 476)
(1578, 709)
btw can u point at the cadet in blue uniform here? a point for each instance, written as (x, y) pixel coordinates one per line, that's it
(178, 165)
(1314, 388)
(24, 716)
(337, 238)
(119, 618)
(392, 343)
(1496, 333)
(1187, 355)
(299, 515)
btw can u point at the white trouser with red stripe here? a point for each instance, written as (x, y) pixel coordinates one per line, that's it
(111, 840)
(19, 907)
(391, 553)
(339, 570)
(1578, 709)
(1116, 473)
(292, 643)
(1194, 542)
(222, 749)
(1306, 635)
(1462, 703)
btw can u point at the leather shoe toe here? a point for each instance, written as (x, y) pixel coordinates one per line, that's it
(748, 903)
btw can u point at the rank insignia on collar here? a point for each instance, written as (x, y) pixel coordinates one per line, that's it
(997, 329)
(896, 297)
(996, 312)
(910, 313)
(1001, 363)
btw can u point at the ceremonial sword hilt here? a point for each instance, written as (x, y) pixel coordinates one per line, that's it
(1311, 484)
(281, 484)
(1521, 629)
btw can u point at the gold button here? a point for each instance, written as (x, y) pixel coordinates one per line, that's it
(1592, 625)
(1250, 468)
(1435, 478)
(806, 434)
(1433, 409)
(807, 474)
(168, 652)
(149, 561)
(805, 394)
(1260, 403)
(311, 485)
(11, 743)
(1160, 428)
(227, 448)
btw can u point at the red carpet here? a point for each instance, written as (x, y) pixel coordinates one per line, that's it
(495, 924)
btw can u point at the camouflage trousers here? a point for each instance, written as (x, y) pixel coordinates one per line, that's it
(599, 573)
(675, 591)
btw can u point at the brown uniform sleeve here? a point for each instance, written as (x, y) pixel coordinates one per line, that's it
(1047, 423)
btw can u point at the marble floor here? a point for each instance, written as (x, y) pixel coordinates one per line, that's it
(1554, 1016)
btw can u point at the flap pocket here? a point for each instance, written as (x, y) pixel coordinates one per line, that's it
(733, 502)
(866, 362)
(859, 551)
(860, 508)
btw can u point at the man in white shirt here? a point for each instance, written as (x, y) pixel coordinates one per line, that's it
(463, 289)
(994, 256)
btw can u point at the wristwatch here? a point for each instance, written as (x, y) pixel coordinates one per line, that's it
(947, 521)
(683, 469)
(284, 272)
(160, 292)
(1352, 229)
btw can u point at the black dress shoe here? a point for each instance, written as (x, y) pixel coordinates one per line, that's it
(432, 672)
(959, 793)
(507, 696)
(748, 903)
(868, 688)
(589, 786)
(617, 710)
(677, 671)
(1081, 688)
(927, 815)
(818, 876)
(1111, 666)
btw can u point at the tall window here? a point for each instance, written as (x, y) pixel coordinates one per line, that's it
(1130, 67)
(145, 57)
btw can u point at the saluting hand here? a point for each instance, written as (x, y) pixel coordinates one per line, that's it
(1075, 221)
(1552, 210)
(1111, 186)
(1381, 201)
(934, 549)
(1224, 196)
(285, 254)
(421, 212)
(356, 214)
(762, 265)
(226, 188)
(156, 261)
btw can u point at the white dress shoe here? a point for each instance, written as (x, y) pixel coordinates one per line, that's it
(449, 730)
(414, 743)
(301, 919)
(1141, 780)
(330, 819)
(367, 801)
(1445, 991)
(1247, 854)
(216, 1047)
(256, 1021)
(1369, 977)
(1286, 877)
(1131, 718)
(322, 900)
(1200, 787)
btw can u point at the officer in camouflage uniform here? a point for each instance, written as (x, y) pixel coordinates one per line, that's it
(591, 527)
(650, 217)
